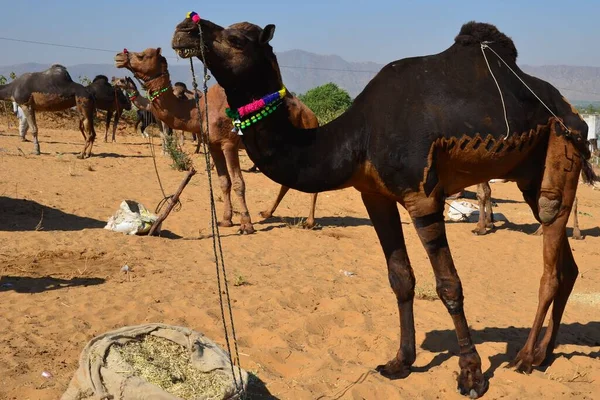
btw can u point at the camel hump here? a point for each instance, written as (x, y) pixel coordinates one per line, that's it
(100, 78)
(59, 71)
(477, 32)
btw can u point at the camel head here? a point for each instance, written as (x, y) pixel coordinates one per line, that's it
(238, 56)
(145, 65)
(180, 90)
(125, 83)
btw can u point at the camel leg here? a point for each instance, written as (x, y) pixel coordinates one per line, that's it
(576, 231)
(269, 213)
(115, 125)
(225, 182)
(106, 128)
(557, 194)
(239, 186)
(489, 213)
(23, 127)
(427, 214)
(86, 110)
(383, 212)
(484, 193)
(310, 221)
(29, 113)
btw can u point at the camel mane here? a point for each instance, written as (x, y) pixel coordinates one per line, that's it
(476, 32)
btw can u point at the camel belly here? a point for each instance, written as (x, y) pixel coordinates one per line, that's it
(466, 161)
(51, 102)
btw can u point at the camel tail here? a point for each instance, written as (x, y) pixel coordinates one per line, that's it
(587, 173)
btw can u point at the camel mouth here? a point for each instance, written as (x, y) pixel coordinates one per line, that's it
(187, 53)
(120, 61)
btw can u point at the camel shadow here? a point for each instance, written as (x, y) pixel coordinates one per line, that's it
(115, 155)
(321, 222)
(444, 343)
(531, 228)
(257, 389)
(27, 284)
(18, 215)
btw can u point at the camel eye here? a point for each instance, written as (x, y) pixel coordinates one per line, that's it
(237, 41)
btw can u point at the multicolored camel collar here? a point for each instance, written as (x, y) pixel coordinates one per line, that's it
(154, 95)
(257, 110)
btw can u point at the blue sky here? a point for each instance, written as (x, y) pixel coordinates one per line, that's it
(545, 32)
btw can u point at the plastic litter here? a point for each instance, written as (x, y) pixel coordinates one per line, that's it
(47, 374)
(132, 218)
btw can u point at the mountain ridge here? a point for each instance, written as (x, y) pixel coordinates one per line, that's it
(303, 70)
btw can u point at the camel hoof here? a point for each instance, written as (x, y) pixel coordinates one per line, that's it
(246, 229)
(479, 231)
(472, 383)
(24, 139)
(226, 224)
(309, 224)
(577, 234)
(265, 214)
(522, 363)
(393, 370)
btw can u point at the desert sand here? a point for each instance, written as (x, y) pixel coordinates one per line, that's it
(305, 329)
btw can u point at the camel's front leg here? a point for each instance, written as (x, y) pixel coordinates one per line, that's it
(106, 128)
(225, 183)
(386, 220)
(239, 186)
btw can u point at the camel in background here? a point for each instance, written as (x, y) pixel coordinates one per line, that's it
(110, 99)
(182, 113)
(52, 90)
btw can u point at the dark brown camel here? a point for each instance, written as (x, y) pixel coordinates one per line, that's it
(423, 128)
(52, 90)
(110, 99)
(181, 113)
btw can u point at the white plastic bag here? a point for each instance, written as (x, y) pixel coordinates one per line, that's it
(132, 218)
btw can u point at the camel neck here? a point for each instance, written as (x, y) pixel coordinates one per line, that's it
(309, 160)
(178, 113)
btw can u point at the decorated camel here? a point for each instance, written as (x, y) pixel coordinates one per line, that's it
(52, 90)
(110, 99)
(182, 113)
(423, 128)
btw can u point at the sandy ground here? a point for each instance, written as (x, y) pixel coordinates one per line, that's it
(305, 329)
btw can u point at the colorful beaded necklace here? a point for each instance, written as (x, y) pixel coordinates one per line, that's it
(156, 94)
(259, 109)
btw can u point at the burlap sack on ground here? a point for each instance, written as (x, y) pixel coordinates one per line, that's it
(102, 375)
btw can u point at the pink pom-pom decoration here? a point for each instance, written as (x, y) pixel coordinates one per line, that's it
(194, 16)
(125, 51)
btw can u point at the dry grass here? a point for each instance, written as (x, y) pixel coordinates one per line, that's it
(167, 364)
(426, 293)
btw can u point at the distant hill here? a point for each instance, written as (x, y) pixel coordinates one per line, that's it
(303, 70)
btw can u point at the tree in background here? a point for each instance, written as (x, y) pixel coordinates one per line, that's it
(327, 101)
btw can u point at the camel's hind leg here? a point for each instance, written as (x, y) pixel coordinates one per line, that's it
(386, 220)
(484, 195)
(557, 193)
(30, 116)
(225, 182)
(576, 231)
(269, 213)
(427, 214)
(239, 186)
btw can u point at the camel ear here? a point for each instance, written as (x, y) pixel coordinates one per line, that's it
(267, 34)
(158, 50)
